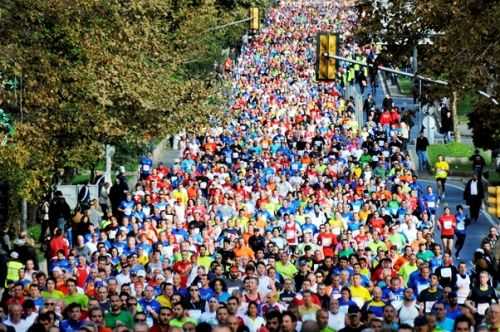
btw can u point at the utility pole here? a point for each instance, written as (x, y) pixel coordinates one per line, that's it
(454, 112)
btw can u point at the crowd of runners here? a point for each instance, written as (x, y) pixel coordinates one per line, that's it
(291, 217)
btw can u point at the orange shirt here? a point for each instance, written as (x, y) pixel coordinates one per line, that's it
(244, 251)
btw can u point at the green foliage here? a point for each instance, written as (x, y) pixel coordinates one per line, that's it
(97, 72)
(485, 124)
(463, 49)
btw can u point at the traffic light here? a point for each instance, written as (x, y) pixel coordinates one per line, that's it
(326, 65)
(254, 19)
(494, 201)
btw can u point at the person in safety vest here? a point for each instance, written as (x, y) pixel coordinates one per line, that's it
(13, 267)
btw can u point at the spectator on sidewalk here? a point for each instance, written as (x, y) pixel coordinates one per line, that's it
(421, 147)
(473, 196)
(446, 124)
(478, 163)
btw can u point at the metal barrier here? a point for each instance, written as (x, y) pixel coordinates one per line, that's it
(70, 193)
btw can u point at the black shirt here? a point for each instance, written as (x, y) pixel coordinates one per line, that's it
(422, 143)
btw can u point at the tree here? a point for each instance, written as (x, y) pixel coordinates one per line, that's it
(463, 48)
(98, 72)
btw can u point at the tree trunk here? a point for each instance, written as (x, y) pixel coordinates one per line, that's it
(454, 112)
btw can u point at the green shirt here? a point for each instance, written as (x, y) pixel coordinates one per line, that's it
(81, 299)
(346, 252)
(425, 255)
(55, 294)
(180, 322)
(124, 317)
(288, 271)
(405, 271)
(327, 329)
(375, 246)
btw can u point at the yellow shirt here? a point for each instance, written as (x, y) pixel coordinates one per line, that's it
(180, 195)
(164, 301)
(442, 169)
(337, 226)
(360, 295)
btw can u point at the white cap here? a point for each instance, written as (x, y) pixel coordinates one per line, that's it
(141, 273)
(14, 255)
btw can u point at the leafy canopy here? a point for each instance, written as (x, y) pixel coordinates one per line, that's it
(95, 72)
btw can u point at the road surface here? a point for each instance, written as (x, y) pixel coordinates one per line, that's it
(475, 232)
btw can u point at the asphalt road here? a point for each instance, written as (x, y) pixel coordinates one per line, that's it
(475, 232)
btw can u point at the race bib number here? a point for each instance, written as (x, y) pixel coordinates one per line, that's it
(482, 307)
(446, 272)
(429, 305)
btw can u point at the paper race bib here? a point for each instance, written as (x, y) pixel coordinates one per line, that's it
(429, 305)
(446, 272)
(482, 307)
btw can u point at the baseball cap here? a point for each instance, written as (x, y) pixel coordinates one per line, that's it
(353, 309)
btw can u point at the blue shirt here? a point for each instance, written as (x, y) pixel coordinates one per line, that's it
(146, 165)
(70, 326)
(446, 324)
(127, 207)
(155, 305)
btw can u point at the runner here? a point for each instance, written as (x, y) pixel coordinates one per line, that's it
(442, 170)
(289, 216)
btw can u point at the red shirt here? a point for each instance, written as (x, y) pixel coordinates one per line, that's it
(378, 223)
(59, 243)
(82, 272)
(328, 242)
(385, 118)
(448, 225)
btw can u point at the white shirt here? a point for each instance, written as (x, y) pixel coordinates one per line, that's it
(473, 187)
(31, 318)
(253, 325)
(21, 326)
(265, 286)
(463, 285)
(123, 279)
(336, 321)
(407, 314)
